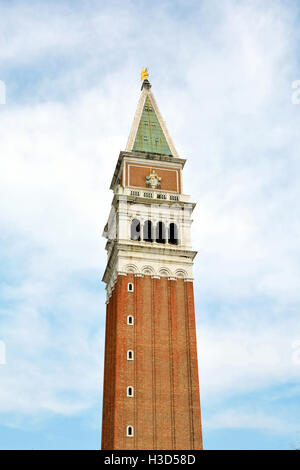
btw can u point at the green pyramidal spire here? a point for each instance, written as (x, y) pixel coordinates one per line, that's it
(149, 132)
(150, 136)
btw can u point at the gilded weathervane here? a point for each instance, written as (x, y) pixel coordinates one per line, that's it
(153, 180)
(144, 74)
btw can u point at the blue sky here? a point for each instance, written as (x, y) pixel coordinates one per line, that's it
(222, 73)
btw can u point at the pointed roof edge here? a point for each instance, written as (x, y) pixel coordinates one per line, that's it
(136, 121)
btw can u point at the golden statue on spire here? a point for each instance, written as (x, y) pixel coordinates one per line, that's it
(144, 74)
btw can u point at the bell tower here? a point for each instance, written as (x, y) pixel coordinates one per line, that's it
(151, 387)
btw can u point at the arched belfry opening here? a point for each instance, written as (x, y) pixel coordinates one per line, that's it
(135, 232)
(148, 231)
(160, 232)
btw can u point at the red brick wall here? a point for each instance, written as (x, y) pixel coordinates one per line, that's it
(135, 176)
(165, 409)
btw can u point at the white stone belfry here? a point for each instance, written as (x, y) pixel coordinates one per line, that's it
(147, 189)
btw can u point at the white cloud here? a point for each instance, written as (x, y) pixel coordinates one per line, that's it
(240, 419)
(248, 354)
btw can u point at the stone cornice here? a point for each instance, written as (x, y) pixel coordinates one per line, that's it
(140, 258)
(149, 201)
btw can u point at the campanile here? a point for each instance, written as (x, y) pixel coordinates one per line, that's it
(151, 387)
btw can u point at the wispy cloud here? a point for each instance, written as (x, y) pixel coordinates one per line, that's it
(233, 419)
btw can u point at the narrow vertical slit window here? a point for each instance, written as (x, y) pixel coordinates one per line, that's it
(129, 431)
(130, 287)
(130, 320)
(130, 391)
(173, 234)
(130, 355)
